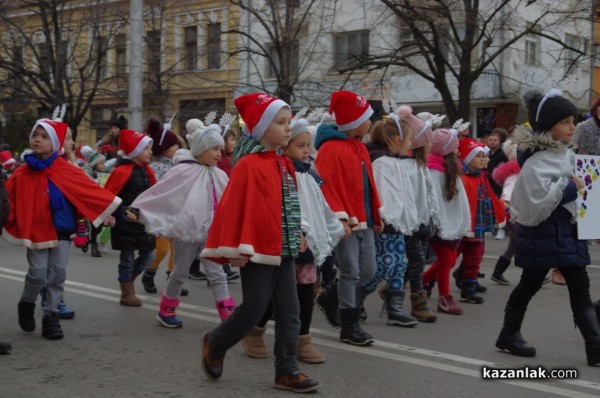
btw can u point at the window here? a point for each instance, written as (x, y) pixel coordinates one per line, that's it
(532, 48)
(190, 38)
(62, 56)
(213, 46)
(18, 57)
(153, 58)
(121, 54)
(198, 109)
(572, 57)
(351, 48)
(44, 58)
(100, 45)
(406, 37)
(293, 63)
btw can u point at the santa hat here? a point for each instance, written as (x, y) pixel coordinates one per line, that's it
(201, 137)
(26, 152)
(6, 158)
(132, 143)
(443, 141)
(468, 148)
(420, 129)
(93, 158)
(350, 109)
(258, 111)
(57, 130)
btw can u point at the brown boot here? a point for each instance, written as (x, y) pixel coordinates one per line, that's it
(307, 352)
(254, 344)
(420, 310)
(128, 297)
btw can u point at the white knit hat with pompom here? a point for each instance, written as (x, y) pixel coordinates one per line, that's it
(201, 137)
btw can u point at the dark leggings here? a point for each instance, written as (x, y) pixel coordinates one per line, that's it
(305, 297)
(416, 248)
(94, 233)
(578, 283)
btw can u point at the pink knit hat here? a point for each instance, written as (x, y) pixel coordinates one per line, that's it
(443, 141)
(420, 129)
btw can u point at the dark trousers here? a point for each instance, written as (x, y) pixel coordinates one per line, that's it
(260, 284)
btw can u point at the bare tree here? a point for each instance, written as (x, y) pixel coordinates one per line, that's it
(449, 42)
(54, 52)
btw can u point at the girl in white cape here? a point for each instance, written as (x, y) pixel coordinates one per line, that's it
(181, 206)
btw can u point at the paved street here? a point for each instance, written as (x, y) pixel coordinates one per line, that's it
(113, 351)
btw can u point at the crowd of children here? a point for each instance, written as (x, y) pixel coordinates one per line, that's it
(286, 201)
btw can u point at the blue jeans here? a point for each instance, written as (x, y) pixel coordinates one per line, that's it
(130, 266)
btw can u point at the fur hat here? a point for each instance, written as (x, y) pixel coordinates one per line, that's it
(119, 122)
(420, 129)
(93, 158)
(587, 137)
(57, 130)
(201, 137)
(132, 143)
(6, 158)
(544, 111)
(443, 141)
(258, 111)
(468, 148)
(350, 110)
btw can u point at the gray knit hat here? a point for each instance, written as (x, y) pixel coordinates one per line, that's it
(298, 127)
(92, 157)
(201, 137)
(587, 137)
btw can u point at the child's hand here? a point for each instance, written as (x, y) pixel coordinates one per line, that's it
(109, 221)
(132, 214)
(303, 244)
(347, 229)
(578, 182)
(238, 262)
(378, 229)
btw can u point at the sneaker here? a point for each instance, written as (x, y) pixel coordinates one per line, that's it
(500, 235)
(296, 382)
(480, 288)
(501, 280)
(197, 275)
(64, 312)
(169, 320)
(231, 274)
(447, 305)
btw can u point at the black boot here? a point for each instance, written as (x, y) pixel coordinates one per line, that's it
(361, 295)
(95, 251)
(468, 293)
(51, 327)
(26, 316)
(510, 338)
(351, 332)
(327, 301)
(393, 302)
(501, 266)
(587, 322)
(148, 281)
(458, 276)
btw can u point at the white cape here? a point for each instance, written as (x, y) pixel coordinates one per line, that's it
(180, 205)
(397, 194)
(426, 198)
(320, 224)
(455, 215)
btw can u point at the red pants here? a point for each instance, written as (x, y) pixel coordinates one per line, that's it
(472, 254)
(440, 269)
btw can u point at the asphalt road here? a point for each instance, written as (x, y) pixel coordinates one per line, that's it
(114, 351)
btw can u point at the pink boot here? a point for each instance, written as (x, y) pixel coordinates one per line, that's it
(166, 315)
(225, 307)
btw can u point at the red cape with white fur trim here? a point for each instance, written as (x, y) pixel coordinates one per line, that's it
(471, 188)
(30, 221)
(247, 223)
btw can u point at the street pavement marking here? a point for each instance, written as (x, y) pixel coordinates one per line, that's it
(113, 295)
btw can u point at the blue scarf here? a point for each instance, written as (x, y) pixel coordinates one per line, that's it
(63, 214)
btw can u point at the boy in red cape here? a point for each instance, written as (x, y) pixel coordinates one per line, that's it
(350, 190)
(48, 182)
(132, 176)
(257, 227)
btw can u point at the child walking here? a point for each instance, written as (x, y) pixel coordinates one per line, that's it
(455, 217)
(95, 167)
(181, 207)
(132, 176)
(391, 139)
(543, 203)
(44, 196)
(258, 227)
(487, 213)
(351, 192)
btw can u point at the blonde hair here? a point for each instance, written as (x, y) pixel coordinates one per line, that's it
(384, 131)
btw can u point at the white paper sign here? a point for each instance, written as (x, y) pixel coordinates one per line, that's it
(588, 201)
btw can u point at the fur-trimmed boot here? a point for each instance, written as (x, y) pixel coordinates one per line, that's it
(393, 302)
(166, 314)
(225, 307)
(510, 338)
(420, 310)
(587, 322)
(254, 343)
(498, 274)
(307, 352)
(128, 297)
